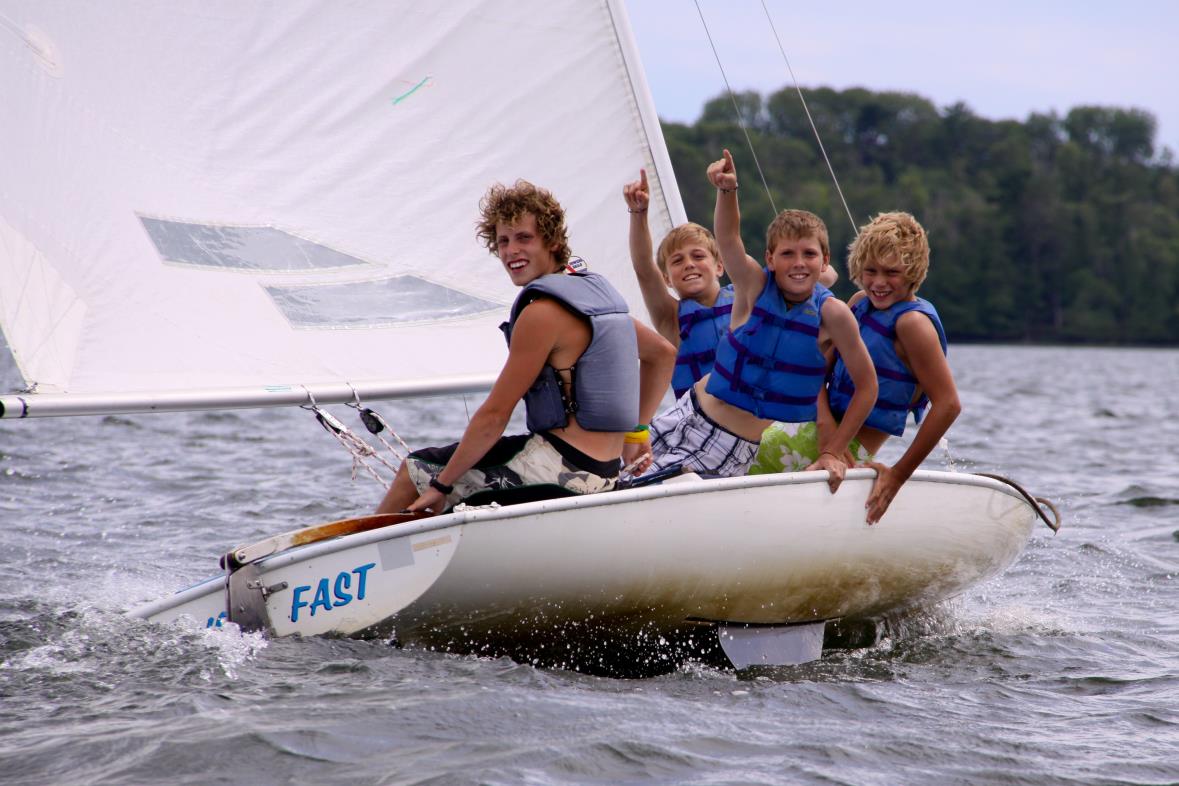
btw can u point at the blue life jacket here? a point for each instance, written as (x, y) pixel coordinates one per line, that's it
(896, 382)
(605, 379)
(701, 329)
(771, 365)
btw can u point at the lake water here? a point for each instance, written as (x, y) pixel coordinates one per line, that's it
(1065, 669)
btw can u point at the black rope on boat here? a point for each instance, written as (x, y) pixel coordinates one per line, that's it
(1035, 502)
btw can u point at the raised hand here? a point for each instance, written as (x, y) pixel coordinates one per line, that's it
(637, 194)
(723, 174)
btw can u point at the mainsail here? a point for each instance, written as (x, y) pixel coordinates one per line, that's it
(217, 204)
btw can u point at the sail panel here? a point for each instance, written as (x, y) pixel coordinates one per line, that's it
(364, 304)
(191, 191)
(240, 248)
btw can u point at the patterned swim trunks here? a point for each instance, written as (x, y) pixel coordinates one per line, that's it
(685, 435)
(792, 447)
(533, 466)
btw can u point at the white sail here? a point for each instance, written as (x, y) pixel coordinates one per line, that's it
(216, 197)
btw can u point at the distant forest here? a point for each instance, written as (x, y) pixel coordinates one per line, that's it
(1056, 229)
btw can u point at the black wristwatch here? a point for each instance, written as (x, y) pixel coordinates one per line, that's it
(438, 485)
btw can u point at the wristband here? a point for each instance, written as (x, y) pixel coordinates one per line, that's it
(636, 437)
(632, 210)
(439, 486)
(729, 190)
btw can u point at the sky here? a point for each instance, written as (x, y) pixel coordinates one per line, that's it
(1001, 58)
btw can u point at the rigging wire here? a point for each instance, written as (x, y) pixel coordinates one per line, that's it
(357, 447)
(736, 109)
(806, 109)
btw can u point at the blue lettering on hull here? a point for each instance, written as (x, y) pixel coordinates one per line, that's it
(331, 593)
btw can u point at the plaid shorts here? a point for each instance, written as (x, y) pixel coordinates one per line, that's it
(533, 466)
(685, 435)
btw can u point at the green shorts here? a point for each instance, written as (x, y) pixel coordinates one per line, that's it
(792, 447)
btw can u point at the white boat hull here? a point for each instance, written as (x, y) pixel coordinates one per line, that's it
(628, 570)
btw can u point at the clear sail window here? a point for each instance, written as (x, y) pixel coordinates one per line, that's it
(241, 248)
(389, 301)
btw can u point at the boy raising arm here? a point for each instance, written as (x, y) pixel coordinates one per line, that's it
(688, 261)
(787, 262)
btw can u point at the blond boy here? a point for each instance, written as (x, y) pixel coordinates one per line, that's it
(889, 260)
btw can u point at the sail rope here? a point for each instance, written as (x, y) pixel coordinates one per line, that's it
(811, 120)
(357, 447)
(360, 450)
(736, 109)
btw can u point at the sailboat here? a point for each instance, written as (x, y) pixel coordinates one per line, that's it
(210, 206)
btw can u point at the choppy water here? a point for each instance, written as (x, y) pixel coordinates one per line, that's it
(1063, 670)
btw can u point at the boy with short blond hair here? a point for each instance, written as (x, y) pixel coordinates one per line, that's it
(771, 364)
(688, 261)
(689, 234)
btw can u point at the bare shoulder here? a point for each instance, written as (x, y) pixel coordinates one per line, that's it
(916, 331)
(837, 325)
(920, 349)
(835, 311)
(857, 297)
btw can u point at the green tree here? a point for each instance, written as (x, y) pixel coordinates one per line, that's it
(1051, 229)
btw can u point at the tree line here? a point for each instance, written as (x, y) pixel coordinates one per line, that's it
(1054, 229)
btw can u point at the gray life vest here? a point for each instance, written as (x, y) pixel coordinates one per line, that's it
(605, 379)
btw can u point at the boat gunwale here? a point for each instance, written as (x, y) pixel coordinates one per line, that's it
(488, 514)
